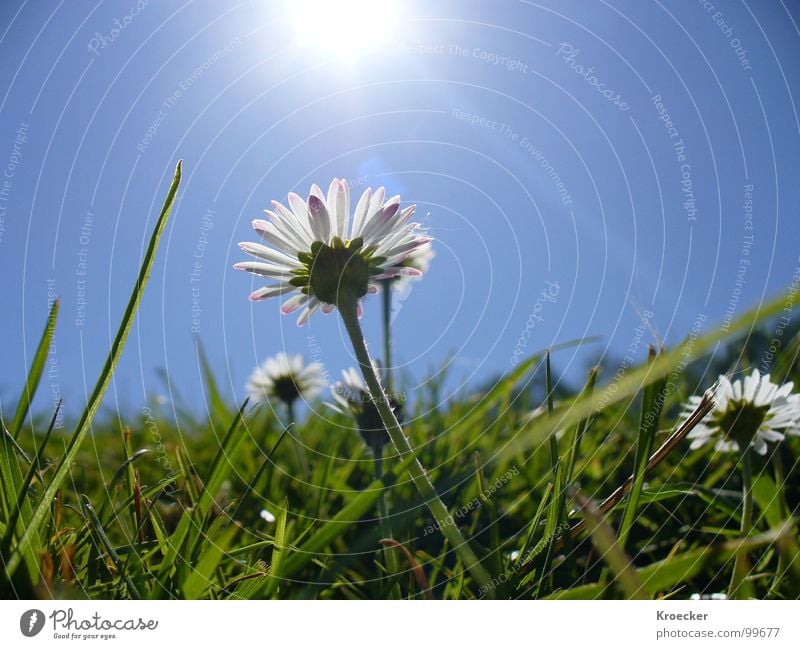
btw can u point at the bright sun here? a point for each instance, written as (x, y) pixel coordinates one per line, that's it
(342, 26)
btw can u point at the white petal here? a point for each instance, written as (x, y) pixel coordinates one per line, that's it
(306, 313)
(271, 291)
(269, 254)
(361, 213)
(343, 208)
(264, 269)
(320, 219)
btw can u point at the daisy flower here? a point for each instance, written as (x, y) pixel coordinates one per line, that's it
(419, 259)
(747, 413)
(352, 397)
(320, 258)
(286, 378)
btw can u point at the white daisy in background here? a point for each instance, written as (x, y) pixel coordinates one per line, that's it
(321, 259)
(286, 378)
(747, 413)
(353, 398)
(419, 259)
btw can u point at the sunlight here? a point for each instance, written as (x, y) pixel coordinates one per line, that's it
(344, 27)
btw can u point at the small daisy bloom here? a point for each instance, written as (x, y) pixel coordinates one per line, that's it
(286, 378)
(352, 397)
(320, 258)
(747, 413)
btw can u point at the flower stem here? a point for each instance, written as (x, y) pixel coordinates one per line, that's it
(386, 290)
(415, 469)
(740, 566)
(780, 483)
(299, 450)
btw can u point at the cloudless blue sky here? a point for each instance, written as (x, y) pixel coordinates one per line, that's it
(472, 110)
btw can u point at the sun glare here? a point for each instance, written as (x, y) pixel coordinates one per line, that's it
(342, 27)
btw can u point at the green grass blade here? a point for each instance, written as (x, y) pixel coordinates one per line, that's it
(22, 507)
(652, 402)
(11, 484)
(36, 371)
(581, 428)
(610, 550)
(201, 574)
(85, 421)
(213, 394)
(278, 551)
(106, 545)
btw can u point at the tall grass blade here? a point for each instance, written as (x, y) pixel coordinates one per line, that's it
(652, 403)
(36, 371)
(86, 418)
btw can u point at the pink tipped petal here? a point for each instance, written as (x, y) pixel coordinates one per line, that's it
(327, 309)
(307, 312)
(268, 254)
(264, 269)
(360, 310)
(408, 271)
(258, 295)
(293, 303)
(406, 214)
(320, 219)
(316, 191)
(298, 206)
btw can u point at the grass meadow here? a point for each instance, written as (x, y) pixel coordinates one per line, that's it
(581, 492)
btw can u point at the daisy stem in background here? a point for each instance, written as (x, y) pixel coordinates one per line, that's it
(741, 564)
(386, 290)
(349, 313)
(385, 526)
(299, 449)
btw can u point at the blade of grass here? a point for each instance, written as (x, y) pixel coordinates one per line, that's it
(558, 502)
(86, 418)
(581, 427)
(610, 549)
(278, 551)
(201, 575)
(36, 371)
(22, 496)
(102, 537)
(652, 403)
(491, 510)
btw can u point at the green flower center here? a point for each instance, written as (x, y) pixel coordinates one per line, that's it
(741, 421)
(337, 273)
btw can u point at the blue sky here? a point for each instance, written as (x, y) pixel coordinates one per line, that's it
(600, 152)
